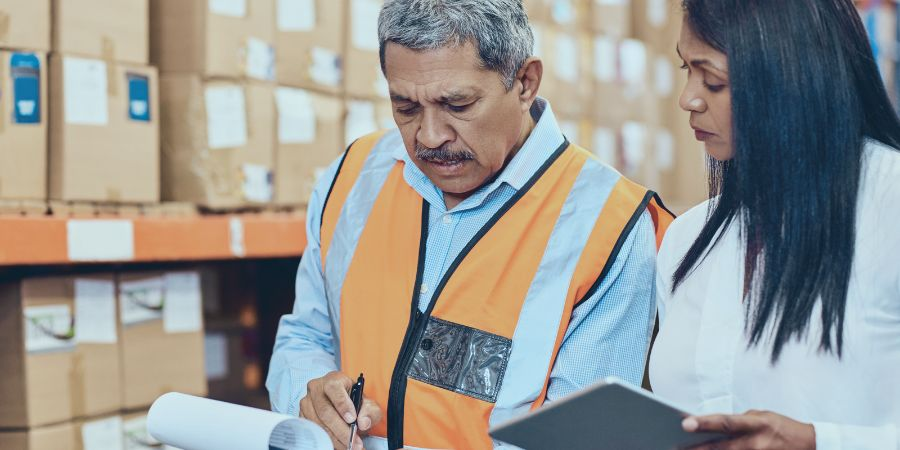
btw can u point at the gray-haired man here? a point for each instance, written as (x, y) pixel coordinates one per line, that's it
(473, 264)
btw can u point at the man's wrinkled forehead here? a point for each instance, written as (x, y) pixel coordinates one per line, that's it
(444, 75)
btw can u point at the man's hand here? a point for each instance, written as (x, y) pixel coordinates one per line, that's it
(753, 430)
(328, 404)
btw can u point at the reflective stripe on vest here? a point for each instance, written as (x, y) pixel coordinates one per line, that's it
(483, 350)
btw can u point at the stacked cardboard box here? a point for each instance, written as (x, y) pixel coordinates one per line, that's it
(104, 128)
(65, 357)
(24, 43)
(218, 64)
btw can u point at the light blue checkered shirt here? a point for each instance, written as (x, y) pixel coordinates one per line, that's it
(608, 335)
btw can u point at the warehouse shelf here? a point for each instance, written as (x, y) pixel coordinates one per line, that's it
(50, 240)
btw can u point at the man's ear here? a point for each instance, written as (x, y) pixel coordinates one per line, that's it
(529, 81)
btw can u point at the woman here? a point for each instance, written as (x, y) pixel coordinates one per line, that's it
(781, 295)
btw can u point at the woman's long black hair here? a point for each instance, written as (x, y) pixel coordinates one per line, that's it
(806, 94)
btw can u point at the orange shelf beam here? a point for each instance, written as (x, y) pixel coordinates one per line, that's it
(46, 240)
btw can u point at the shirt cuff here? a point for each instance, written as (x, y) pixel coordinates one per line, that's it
(828, 436)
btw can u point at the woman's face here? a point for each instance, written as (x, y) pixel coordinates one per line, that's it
(707, 94)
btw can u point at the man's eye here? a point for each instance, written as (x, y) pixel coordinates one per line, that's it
(407, 111)
(460, 108)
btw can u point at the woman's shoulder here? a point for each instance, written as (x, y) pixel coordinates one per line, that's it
(682, 233)
(880, 183)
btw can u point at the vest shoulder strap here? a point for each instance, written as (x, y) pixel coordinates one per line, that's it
(350, 167)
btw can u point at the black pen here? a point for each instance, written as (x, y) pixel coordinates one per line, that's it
(356, 395)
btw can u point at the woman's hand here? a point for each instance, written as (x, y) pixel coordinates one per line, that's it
(756, 430)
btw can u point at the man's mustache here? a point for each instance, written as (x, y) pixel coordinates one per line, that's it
(443, 154)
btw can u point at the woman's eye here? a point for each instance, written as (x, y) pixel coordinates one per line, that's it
(714, 87)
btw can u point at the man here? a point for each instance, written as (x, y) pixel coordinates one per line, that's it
(472, 264)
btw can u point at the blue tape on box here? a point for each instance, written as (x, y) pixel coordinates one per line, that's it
(25, 70)
(138, 97)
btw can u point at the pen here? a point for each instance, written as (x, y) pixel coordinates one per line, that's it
(356, 395)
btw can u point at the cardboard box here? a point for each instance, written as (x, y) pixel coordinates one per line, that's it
(364, 117)
(23, 126)
(104, 131)
(231, 361)
(363, 76)
(161, 323)
(310, 44)
(622, 86)
(37, 348)
(310, 137)
(611, 17)
(55, 437)
(100, 433)
(214, 38)
(218, 141)
(112, 31)
(25, 25)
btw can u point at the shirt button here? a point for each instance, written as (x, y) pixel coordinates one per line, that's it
(424, 288)
(448, 220)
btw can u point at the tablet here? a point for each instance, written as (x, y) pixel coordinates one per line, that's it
(609, 415)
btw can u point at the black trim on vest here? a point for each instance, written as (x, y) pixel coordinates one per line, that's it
(618, 247)
(419, 321)
(334, 182)
(663, 206)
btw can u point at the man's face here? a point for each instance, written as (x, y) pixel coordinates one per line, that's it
(459, 123)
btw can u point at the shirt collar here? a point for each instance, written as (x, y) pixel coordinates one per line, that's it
(544, 139)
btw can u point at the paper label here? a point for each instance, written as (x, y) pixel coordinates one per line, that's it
(106, 434)
(566, 58)
(230, 8)
(296, 15)
(95, 311)
(360, 120)
(236, 237)
(538, 42)
(100, 240)
(569, 130)
(657, 12)
(140, 300)
(260, 60)
(665, 150)
(25, 70)
(296, 116)
(215, 355)
(563, 12)
(48, 328)
(183, 309)
(364, 24)
(257, 183)
(136, 436)
(665, 77)
(605, 55)
(85, 89)
(138, 97)
(226, 117)
(326, 67)
(634, 141)
(604, 145)
(633, 61)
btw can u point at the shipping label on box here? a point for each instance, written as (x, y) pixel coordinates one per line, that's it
(49, 328)
(257, 183)
(259, 62)
(325, 67)
(182, 308)
(296, 15)
(138, 97)
(103, 434)
(86, 91)
(226, 117)
(296, 116)
(364, 24)
(95, 311)
(25, 71)
(141, 300)
(228, 8)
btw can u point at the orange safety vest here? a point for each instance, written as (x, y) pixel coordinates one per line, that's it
(418, 367)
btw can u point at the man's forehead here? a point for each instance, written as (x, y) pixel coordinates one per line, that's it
(445, 73)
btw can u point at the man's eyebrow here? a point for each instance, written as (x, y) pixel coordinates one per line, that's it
(455, 97)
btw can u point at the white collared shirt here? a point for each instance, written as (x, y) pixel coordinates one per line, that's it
(701, 359)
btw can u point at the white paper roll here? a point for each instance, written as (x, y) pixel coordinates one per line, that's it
(194, 423)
